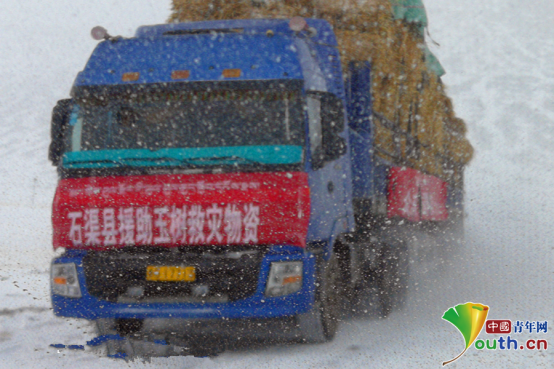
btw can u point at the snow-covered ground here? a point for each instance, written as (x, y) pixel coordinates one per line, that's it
(498, 55)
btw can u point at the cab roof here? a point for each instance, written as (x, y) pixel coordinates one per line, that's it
(201, 51)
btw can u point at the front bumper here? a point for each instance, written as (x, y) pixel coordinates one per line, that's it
(256, 306)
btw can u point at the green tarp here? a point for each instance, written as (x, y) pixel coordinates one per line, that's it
(433, 63)
(412, 11)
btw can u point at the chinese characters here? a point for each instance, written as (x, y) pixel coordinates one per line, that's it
(195, 224)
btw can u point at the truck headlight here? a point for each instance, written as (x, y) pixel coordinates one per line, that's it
(284, 278)
(64, 280)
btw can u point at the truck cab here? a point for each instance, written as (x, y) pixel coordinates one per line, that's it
(204, 178)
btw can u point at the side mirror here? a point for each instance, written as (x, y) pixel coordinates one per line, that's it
(60, 122)
(332, 123)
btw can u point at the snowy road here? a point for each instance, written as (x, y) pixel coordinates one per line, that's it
(498, 56)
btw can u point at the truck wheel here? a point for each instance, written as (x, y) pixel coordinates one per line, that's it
(320, 324)
(385, 298)
(350, 292)
(392, 277)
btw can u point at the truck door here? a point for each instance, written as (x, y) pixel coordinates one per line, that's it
(327, 174)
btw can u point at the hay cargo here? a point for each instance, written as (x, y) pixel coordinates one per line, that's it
(423, 131)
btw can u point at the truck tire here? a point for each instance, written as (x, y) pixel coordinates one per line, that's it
(349, 290)
(392, 277)
(320, 324)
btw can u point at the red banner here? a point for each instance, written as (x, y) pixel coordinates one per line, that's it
(175, 210)
(416, 196)
(433, 197)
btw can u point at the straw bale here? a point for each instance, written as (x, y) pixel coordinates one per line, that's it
(459, 149)
(199, 10)
(384, 141)
(434, 113)
(403, 90)
(457, 125)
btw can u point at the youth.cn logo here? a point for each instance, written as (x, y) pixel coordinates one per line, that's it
(470, 318)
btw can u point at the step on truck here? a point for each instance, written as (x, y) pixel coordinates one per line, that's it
(218, 179)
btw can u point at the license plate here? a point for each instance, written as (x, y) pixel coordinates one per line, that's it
(167, 273)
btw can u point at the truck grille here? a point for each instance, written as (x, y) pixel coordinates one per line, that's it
(222, 274)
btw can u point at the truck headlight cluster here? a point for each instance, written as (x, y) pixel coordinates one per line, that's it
(64, 280)
(284, 278)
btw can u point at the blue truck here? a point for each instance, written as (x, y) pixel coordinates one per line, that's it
(219, 179)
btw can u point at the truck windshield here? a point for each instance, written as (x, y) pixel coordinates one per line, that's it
(173, 127)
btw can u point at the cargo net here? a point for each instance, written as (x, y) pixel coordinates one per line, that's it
(415, 122)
